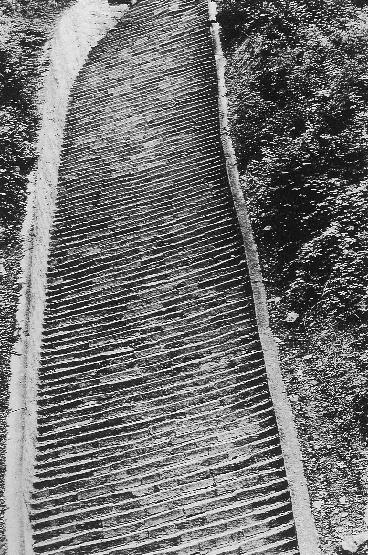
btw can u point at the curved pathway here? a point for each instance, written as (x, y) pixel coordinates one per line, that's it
(156, 431)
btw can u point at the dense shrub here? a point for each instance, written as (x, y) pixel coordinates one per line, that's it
(299, 96)
(17, 127)
(19, 72)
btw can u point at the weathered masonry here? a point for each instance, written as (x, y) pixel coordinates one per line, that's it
(156, 430)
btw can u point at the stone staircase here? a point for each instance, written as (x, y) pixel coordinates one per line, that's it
(156, 431)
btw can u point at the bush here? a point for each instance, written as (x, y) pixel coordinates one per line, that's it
(17, 132)
(299, 94)
(19, 72)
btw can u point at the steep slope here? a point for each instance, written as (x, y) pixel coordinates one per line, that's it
(156, 431)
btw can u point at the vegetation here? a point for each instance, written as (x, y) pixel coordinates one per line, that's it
(298, 89)
(19, 70)
(24, 28)
(16, 134)
(299, 78)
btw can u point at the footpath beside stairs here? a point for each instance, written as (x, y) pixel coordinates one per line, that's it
(156, 430)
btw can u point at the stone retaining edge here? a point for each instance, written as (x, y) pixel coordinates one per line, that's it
(76, 31)
(305, 525)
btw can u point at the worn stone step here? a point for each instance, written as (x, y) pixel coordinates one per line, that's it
(156, 431)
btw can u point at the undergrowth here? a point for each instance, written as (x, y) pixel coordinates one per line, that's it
(297, 78)
(25, 26)
(299, 88)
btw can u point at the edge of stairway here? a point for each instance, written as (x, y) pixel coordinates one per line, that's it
(76, 31)
(304, 522)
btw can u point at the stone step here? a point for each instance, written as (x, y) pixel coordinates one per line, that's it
(156, 431)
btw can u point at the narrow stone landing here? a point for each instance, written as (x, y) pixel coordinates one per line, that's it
(156, 432)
